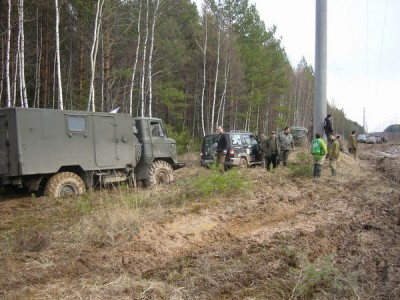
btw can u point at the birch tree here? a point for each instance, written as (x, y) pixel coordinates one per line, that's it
(216, 75)
(21, 53)
(93, 54)
(155, 15)
(8, 48)
(144, 59)
(204, 50)
(58, 62)
(136, 60)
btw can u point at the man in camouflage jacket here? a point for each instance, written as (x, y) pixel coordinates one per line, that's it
(352, 144)
(287, 144)
(333, 153)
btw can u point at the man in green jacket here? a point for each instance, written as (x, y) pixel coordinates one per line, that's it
(333, 153)
(318, 151)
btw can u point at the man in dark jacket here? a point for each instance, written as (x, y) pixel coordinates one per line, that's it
(222, 148)
(328, 126)
(272, 151)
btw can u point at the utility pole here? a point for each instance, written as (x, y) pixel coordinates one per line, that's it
(364, 120)
(320, 66)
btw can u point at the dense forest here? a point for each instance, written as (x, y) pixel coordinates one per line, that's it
(161, 58)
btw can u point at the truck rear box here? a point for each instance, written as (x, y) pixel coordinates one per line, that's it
(41, 141)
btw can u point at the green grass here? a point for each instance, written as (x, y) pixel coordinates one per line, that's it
(303, 166)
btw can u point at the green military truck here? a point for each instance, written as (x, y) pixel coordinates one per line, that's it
(65, 152)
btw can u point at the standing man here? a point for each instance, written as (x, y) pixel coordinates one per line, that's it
(333, 153)
(272, 150)
(318, 151)
(339, 139)
(287, 144)
(352, 144)
(328, 126)
(222, 148)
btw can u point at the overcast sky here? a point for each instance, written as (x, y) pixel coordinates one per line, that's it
(363, 52)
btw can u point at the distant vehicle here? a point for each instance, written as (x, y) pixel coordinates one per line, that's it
(371, 140)
(244, 149)
(299, 135)
(362, 138)
(379, 139)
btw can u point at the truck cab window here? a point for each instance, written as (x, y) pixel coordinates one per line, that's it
(156, 129)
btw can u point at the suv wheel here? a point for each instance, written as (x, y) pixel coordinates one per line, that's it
(64, 184)
(243, 163)
(160, 172)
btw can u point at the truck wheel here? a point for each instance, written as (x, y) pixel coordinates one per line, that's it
(243, 163)
(160, 172)
(64, 184)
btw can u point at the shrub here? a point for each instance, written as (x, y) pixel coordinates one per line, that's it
(303, 166)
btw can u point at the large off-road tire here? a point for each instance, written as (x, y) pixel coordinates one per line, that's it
(243, 163)
(64, 184)
(160, 172)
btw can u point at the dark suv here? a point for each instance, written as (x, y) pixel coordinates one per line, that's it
(244, 149)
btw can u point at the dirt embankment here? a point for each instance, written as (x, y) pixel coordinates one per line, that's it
(283, 238)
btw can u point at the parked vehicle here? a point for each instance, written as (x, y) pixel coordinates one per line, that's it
(299, 135)
(64, 152)
(362, 138)
(379, 139)
(244, 149)
(371, 140)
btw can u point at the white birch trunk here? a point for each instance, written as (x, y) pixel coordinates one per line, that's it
(38, 61)
(204, 73)
(93, 54)
(136, 61)
(216, 77)
(59, 82)
(8, 81)
(153, 26)
(221, 111)
(102, 78)
(142, 85)
(14, 84)
(24, 101)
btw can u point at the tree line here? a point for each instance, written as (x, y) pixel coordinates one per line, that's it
(159, 58)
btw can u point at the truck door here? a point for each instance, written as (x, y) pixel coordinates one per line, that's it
(4, 165)
(105, 140)
(161, 144)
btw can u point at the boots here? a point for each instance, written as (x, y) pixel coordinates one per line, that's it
(333, 172)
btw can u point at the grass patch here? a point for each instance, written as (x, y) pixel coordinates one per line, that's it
(319, 280)
(217, 184)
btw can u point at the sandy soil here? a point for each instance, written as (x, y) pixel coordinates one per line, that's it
(285, 238)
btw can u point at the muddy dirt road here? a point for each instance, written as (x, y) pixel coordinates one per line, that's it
(284, 237)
